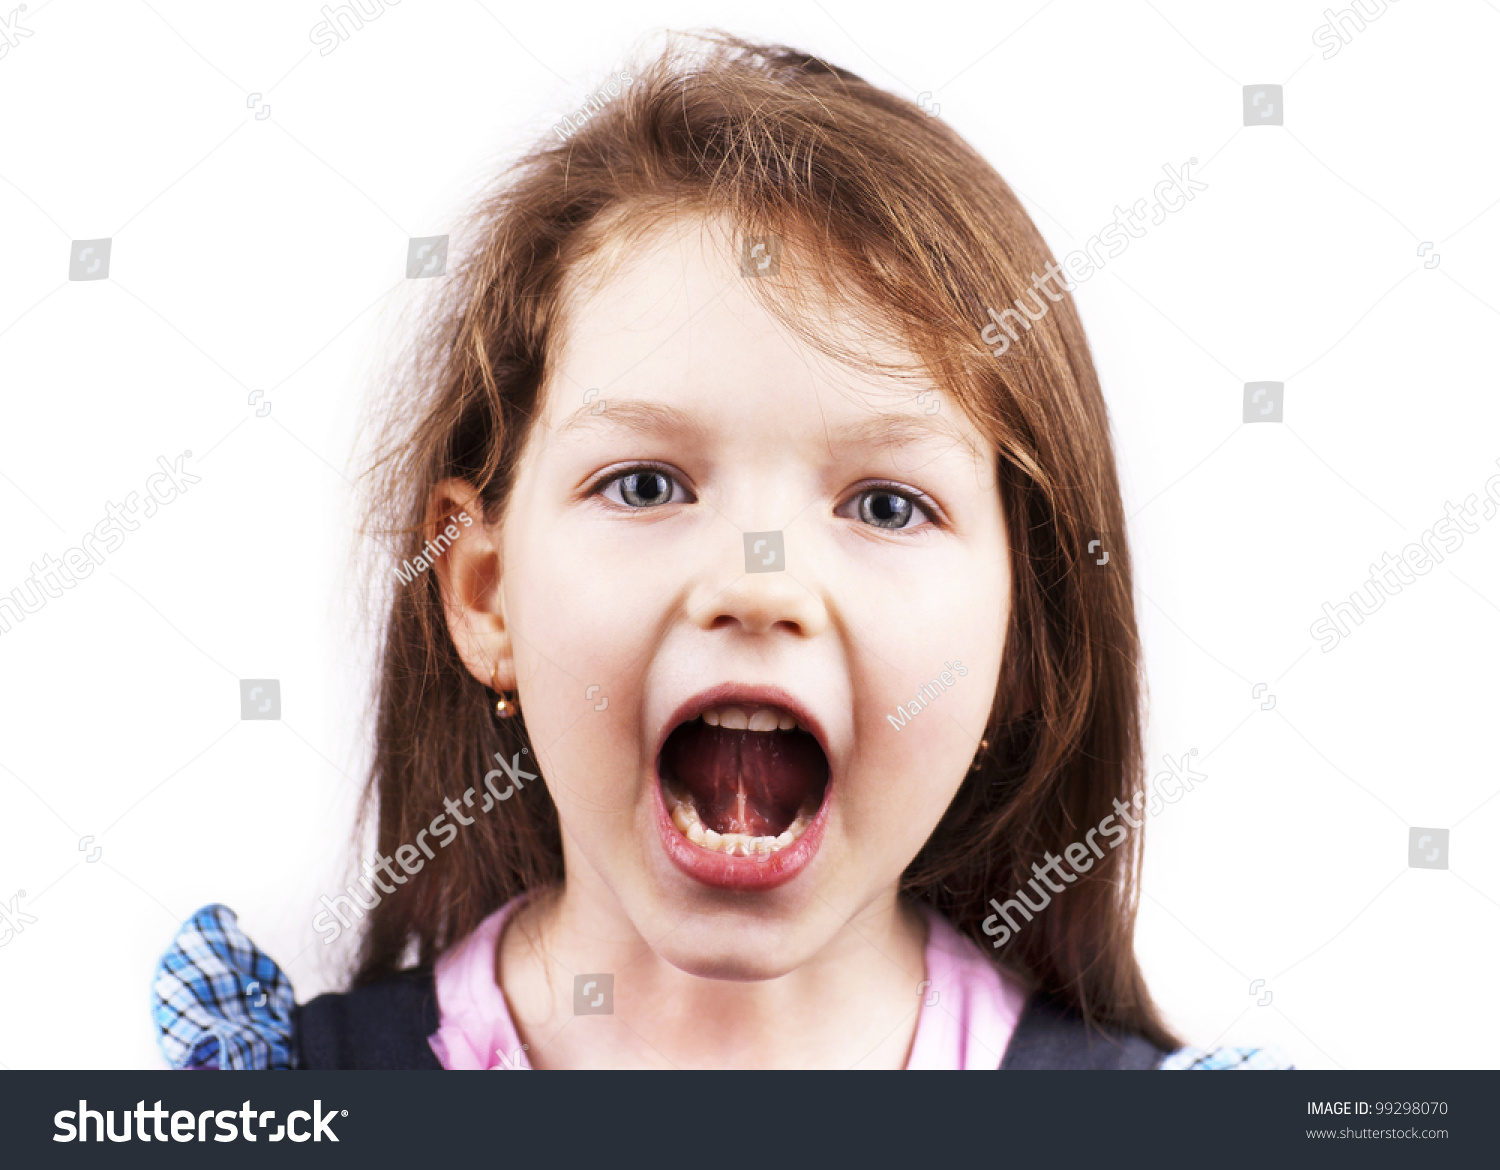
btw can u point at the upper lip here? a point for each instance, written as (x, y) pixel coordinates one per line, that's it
(746, 695)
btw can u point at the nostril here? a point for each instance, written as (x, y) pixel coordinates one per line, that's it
(753, 623)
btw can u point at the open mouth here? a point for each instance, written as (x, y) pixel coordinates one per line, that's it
(743, 779)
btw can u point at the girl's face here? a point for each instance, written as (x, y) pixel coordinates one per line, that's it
(754, 604)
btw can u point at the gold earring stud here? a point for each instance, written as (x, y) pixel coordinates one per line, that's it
(506, 706)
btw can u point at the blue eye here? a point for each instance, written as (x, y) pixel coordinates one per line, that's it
(883, 507)
(643, 488)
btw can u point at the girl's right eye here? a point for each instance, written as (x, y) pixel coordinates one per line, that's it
(643, 487)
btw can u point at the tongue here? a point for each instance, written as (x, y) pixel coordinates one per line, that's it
(749, 782)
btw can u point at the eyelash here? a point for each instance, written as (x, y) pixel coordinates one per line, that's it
(923, 504)
(602, 486)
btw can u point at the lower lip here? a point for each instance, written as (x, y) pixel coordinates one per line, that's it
(740, 873)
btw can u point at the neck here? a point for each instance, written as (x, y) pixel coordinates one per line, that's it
(853, 1004)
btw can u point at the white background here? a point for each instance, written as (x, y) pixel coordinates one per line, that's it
(269, 254)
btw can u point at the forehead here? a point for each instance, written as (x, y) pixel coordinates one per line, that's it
(664, 327)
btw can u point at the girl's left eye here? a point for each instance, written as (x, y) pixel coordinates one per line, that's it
(643, 487)
(885, 507)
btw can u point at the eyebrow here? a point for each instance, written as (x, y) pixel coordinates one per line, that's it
(655, 418)
(642, 418)
(894, 430)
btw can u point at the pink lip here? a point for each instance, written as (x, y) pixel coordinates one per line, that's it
(719, 869)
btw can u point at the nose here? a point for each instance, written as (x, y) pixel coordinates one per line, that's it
(759, 603)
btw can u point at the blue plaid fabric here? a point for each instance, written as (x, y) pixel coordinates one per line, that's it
(219, 1001)
(1226, 1059)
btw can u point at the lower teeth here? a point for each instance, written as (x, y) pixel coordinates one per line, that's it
(685, 817)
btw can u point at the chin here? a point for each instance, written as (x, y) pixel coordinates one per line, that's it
(702, 953)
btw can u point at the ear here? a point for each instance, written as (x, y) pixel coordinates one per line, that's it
(468, 574)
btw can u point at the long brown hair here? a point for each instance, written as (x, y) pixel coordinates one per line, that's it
(889, 209)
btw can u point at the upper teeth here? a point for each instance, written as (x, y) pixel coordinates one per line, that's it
(752, 719)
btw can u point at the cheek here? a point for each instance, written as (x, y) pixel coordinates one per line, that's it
(580, 637)
(937, 645)
(903, 780)
(583, 603)
(918, 728)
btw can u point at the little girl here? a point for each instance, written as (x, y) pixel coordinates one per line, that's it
(750, 694)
